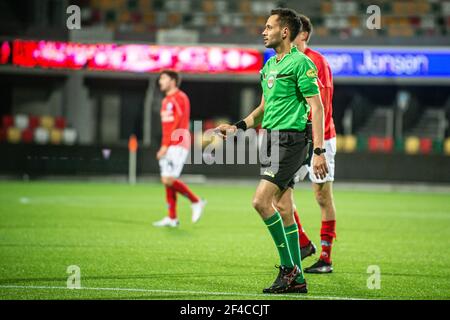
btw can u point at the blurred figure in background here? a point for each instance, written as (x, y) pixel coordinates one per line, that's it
(323, 188)
(172, 155)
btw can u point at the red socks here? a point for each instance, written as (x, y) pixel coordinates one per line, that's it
(180, 187)
(327, 234)
(303, 237)
(171, 197)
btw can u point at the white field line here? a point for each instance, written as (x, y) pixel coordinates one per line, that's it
(206, 293)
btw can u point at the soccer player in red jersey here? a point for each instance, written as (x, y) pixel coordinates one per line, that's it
(175, 145)
(323, 188)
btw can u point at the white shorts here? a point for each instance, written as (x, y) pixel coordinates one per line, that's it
(330, 153)
(172, 163)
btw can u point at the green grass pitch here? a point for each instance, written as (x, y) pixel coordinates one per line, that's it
(106, 230)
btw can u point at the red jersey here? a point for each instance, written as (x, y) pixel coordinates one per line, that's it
(175, 113)
(325, 81)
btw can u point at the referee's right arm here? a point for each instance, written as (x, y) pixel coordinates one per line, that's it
(254, 119)
(251, 121)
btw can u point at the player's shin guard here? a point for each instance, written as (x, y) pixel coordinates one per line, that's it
(294, 248)
(327, 234)
(171, 198)
(303, 237)
(182, 188)
(276, 229)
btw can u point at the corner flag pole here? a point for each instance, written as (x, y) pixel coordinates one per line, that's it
(132, 148)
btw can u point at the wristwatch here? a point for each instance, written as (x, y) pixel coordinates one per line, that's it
(319, 151)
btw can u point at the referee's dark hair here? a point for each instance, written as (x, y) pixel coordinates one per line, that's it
(172, 75)
(306, 25)
(290, 19)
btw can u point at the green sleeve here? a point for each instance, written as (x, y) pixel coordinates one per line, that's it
(307, 77)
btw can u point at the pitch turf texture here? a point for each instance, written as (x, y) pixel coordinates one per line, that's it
(106, 230)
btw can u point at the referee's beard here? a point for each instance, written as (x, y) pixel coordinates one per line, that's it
(274, 43)
(273, 40)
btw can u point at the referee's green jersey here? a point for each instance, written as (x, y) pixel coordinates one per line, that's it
(285, 85)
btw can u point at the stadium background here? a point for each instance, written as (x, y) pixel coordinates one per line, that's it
(70, 115)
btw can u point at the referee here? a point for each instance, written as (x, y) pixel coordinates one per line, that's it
(290, 89)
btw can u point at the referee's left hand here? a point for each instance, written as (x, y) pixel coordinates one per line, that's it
(320, 167)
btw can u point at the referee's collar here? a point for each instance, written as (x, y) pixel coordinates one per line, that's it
(293, 48)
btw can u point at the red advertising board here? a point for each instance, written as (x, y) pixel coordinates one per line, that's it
(5, 52)
(136, 57)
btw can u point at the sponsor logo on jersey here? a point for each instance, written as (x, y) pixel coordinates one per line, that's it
(311, 73)
(167, 116)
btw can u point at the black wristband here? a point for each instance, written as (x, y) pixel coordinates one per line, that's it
(241, 125)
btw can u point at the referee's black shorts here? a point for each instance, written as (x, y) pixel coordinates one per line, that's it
(282, 153)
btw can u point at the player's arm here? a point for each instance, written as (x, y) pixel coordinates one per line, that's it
(325, 94)
(318, 119)
(165, 141)
(327, 82)
(167, 129)
(253, 120)
(308, 86)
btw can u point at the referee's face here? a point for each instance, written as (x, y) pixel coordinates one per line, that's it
(272, 33)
